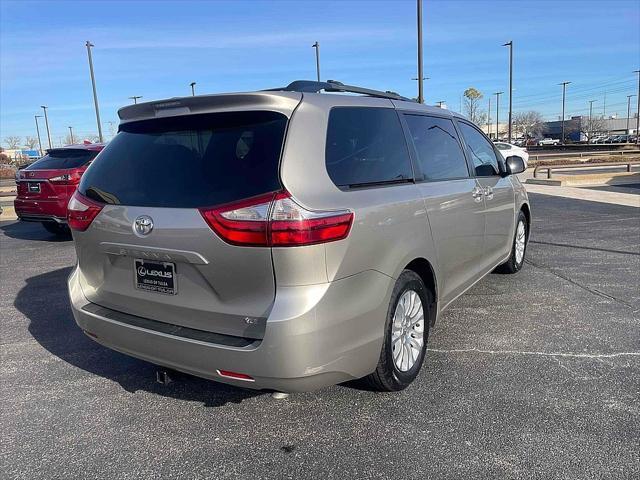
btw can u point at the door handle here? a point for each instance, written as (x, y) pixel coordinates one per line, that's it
(477, 194)
(488, 192)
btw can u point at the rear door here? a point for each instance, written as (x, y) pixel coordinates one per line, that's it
(149, 252)
(498, 194)
(454, 202)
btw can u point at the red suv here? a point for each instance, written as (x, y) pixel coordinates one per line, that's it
(45, 186)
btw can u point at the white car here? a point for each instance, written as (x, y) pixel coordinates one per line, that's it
(508, 150)
(549, 141)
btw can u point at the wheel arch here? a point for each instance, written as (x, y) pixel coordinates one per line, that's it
(423, 268)
(527, 213)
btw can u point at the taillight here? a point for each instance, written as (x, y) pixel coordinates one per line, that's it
(81, 211)
(276, 220)
(72, 178)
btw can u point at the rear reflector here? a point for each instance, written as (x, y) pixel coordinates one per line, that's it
(276, 220)
(235, 376)
(81, 211)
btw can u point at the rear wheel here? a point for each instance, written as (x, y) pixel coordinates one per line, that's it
(56, 228)
(406, 334)
(518, 248)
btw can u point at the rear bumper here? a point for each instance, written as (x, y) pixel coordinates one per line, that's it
(41, 210)
(316, 335)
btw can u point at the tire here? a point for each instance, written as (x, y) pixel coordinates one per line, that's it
(516, 260)
(57, 229)
(388, 376)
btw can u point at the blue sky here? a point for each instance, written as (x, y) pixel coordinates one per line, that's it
(156, 48)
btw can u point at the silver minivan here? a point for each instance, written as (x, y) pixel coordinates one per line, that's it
(289, 239)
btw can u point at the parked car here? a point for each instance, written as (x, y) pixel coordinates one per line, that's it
(604, 139)
(548, 141)
(621, 139)
(597, 139)
(289, 239)
(45, 187)
(508, 150)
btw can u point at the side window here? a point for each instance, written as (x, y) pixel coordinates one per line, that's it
(484, 157)
(366, 146)
(440, 155)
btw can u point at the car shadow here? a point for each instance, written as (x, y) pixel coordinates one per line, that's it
(31, 231)
(45, 302)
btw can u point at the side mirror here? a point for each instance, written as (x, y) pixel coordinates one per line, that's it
(514, 165)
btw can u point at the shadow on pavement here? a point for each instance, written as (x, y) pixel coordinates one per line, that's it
(31, 231)
(44, 301)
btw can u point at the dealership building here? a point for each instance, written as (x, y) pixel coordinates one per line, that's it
(575, 128)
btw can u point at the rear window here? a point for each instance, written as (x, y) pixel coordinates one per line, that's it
(63, 158)
(366, 146)
(188, 162)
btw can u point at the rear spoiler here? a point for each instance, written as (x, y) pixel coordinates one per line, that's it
(283, 102)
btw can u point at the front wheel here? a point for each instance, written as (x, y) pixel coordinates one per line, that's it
(518, 248)
(406, 334)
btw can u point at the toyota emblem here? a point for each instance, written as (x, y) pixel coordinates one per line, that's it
(143, 225)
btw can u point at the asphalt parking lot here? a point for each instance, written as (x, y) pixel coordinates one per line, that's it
(535, 375)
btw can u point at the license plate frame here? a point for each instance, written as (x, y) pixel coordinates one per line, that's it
(155, 277)
(34, 187)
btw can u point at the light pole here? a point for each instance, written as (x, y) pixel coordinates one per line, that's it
(420, 73)
(193, 88)
(317, 47)
(423, 78)
(564, 89)
(629, 110)
(638, 111)
(510, 45)
(489, 119)
(71, 134)
(95, 94)
(590, 132)
(135, 98)
(46, 122)
(497, 94)
(38, 132)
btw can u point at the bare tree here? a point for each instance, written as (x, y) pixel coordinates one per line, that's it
(13, 141)
(472, 106)
(68, 140)
(593, 126)
(31, 142)
(529, 124)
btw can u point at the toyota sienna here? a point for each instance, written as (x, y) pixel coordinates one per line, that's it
(289, 239)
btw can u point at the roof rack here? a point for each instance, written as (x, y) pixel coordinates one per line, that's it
(310, 86)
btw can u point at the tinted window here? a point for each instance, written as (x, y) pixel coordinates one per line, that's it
(484, 157)
(187, 162)
(439, 152)
(502, 146)
(365, 146)
(63, 158)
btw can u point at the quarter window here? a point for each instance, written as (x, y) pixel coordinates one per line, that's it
(484, 157)
(440, 155)
(366, 146)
